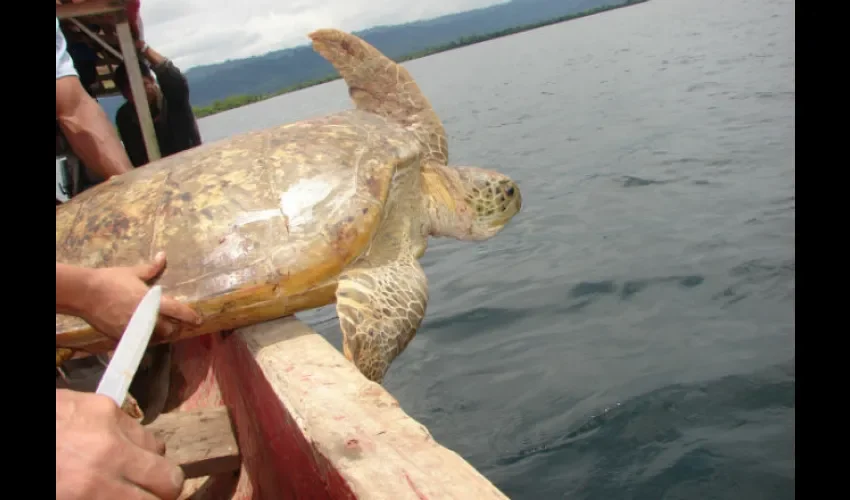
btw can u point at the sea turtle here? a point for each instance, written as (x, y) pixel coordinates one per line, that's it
(271, 222)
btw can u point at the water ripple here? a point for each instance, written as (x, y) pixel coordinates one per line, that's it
(652, 440)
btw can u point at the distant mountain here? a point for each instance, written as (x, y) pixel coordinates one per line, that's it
(284, 68)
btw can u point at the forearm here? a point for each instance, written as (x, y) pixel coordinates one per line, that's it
(71, 288)
(94, 140)
(171, 80)
(153, 57)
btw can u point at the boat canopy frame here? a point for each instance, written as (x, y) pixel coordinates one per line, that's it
(104, 26)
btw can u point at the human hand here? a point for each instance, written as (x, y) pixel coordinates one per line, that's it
(113, 293)
(101, 453)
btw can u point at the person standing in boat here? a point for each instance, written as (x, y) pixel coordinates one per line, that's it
(82, 121)
(168, 96)
(78, 176)
(100, 451)
(93, 138)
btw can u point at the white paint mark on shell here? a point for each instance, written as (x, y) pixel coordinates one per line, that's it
(256, 216)
(297, 203)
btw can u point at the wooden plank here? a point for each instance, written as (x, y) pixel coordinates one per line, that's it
(337, 435)
(89, 8)
(104, 70)
(140, 100)
(94, 36)
(218, 487)
(201, 441)
(194, 387)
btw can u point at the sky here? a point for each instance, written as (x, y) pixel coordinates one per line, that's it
(197, 32)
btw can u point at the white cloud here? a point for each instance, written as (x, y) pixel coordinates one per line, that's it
(196, 32)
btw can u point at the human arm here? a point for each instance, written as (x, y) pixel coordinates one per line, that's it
(71, 285)
(107, 297)
(88, 130)
(102, 453)
(171, 80)
(83, 121)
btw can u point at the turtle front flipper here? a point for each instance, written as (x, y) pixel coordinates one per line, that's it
(132, 408)
(131, 405)
(379, 85)
(83, 375)
(63, 354)
(152, 381)
(150, 385)
(380, 308)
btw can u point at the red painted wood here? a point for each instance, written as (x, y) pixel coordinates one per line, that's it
(278, 461)
(194, 387)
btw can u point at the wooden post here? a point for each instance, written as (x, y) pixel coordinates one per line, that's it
(140, 99)
(201, 442)
(89, 8)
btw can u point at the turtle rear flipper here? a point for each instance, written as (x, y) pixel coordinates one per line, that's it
(379, 85)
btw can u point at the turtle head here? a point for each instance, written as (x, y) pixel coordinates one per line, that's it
(469, 203)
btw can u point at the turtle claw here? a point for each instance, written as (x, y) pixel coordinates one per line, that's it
(131, 407)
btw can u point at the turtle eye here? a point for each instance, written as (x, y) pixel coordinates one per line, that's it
(509, 191)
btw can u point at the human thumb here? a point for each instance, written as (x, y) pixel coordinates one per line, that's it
(150, 270)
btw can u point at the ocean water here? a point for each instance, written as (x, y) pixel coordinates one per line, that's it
(631, 334)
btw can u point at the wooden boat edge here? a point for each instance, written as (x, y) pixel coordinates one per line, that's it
(309, 425)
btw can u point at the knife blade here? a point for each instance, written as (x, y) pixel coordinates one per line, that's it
(122, 368)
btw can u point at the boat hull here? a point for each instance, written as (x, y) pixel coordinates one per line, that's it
(308, 424)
